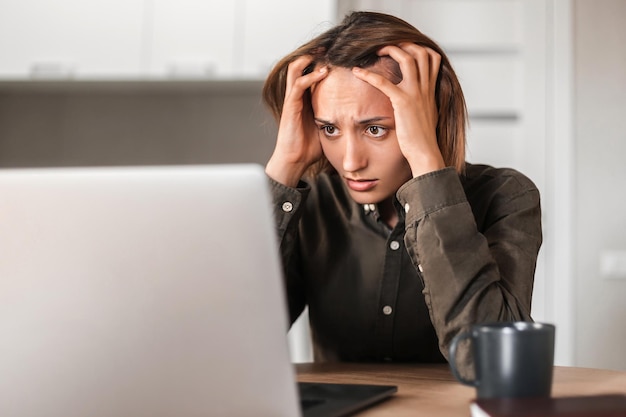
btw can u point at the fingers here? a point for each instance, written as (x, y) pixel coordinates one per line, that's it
(375, 80)
(302, 74)
(418, 64)
(427, 60)
(407, 63)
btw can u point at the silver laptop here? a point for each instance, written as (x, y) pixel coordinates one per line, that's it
(152, 291)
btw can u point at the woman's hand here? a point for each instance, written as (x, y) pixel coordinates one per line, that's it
(413, 102)
(297, 144)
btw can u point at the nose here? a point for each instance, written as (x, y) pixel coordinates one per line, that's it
(355, 154)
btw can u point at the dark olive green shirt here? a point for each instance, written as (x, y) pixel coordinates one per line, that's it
(464, 251)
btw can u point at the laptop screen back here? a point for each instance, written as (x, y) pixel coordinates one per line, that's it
(151, 291)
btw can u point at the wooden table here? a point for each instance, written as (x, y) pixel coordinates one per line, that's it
(431, 390)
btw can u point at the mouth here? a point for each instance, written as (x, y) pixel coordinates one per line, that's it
(361, 185)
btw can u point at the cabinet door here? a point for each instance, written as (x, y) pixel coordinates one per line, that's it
(86, 39)
(192, 38)
(469, 25)
(271, 29)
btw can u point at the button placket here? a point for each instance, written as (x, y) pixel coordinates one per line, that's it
(389, 294)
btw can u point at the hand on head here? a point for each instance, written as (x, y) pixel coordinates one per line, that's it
(413, 102)
(297, 144)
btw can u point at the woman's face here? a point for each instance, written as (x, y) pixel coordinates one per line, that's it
(357, 133)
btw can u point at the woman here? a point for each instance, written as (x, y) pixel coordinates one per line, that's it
(391, 239)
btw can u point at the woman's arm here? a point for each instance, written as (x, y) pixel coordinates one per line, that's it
(287, 205)
(477, 263)
(297, 148)
(414, 105)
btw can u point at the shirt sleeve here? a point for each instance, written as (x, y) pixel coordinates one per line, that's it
(288, 205)
(472, 276)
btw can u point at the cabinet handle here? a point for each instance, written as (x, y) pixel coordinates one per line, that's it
(52, 70)
(181, 69)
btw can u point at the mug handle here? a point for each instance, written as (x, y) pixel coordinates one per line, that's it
(453, 347)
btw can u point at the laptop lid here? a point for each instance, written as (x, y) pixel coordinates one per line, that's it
(151, 291)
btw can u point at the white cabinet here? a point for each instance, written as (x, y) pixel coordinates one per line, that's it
(153, 39)
(484, 40)
(192, 38)
(235, 39)
(272, 29)
(52, 39)
(472, 25)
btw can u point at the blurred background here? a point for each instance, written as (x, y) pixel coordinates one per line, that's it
(152, 82)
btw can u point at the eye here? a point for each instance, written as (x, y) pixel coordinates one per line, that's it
(376, 131)
(329, 130)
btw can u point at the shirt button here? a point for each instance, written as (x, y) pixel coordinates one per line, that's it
(419, 266)
(387, 310)
(406, 207)
(287, 206)
(394, 245)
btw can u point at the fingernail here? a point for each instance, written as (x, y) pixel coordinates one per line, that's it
(356, 69)
(323, 70)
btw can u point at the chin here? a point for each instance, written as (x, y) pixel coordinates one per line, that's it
(365, 198)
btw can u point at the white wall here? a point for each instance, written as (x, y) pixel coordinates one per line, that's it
(600, 192)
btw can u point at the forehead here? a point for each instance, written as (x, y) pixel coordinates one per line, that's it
(341, 95)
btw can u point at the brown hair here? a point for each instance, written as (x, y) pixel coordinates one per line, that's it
(354, 43)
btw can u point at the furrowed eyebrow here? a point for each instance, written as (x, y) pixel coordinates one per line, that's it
(360, 122)
(373, 120)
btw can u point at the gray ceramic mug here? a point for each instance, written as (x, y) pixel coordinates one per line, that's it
(511, 359)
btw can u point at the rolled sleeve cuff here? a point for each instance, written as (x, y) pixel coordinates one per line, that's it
(287, 201)
(430, 192)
